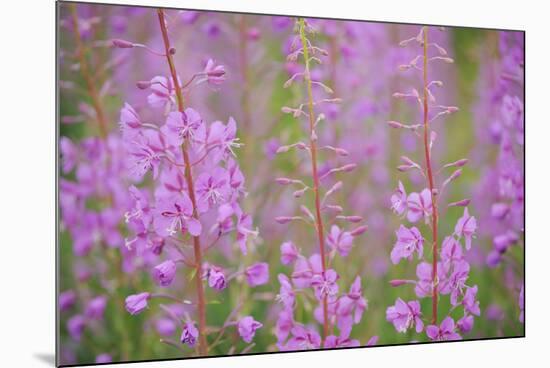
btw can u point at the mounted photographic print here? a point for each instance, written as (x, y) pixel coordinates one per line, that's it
(234, 184)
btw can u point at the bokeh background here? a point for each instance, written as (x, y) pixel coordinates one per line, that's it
(362, 69)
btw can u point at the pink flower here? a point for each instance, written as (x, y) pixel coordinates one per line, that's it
(174, 214)
(247, 327)
(181, 125)
(96, 308)
(212, 189)
(466, 227)
(214, 74)
(285, 323)
(445, 331)
(303, 338)
(325, 284)
(189, 334)
(332, 342)
(137, 303)
(164, 273)
(408, 241)
(404, 315)
(289, 253)
(340, 240)
(420, 205)
(130, 122)
(353, 302)
(286, 293)
(257, 274)
(216, 278)
(399, 199)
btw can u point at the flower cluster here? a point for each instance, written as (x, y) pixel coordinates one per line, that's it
(312, 278)
(448, 271)
(194, 197)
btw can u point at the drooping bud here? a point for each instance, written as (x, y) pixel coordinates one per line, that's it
(122, 44)
(143, 84)
(284, 181)
(461, 203)
(395, 283)
(359, 230)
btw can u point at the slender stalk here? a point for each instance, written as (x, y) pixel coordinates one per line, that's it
(201, 304)
(313, 148)
(88, 79)
(430, 181)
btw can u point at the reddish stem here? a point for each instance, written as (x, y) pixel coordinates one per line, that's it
(88, 79)
(201, 304)
(313, 149)
(430, 181)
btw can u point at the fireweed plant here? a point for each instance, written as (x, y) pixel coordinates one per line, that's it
(448, 271)
(312, 278)
(192, 205)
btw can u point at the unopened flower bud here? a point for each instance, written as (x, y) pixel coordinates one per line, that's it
(358, 231)
(122, 44)
(396, 283)
(143, 84)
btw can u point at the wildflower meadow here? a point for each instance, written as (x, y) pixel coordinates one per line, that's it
(237, 183)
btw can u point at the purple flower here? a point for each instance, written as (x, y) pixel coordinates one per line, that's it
(144, 154)
(332, 342)
(162, 92)
(424, 285)
(419, 205)
(404, 315)
(325, 284)
(75, 326)
(285, 323)
(69, 153)
(181, 125)
(212, 189)
(257, 274)
(247, 327)
(103, 358)
(189, 334)
(66, 300)
(286, 293)
(471, 305)
(443, 332)
(456, 282)
(305, 269)
(303, 338)
(466, 227)
(164, 273)
(399, 200)
(408, 241)
(136, 303)
(465, 324)
(340, 240)
(165, 326)
(96, 308)
(130, 122)
(244, 229)
(289, 253)
(353, 302)
(174, 214)
(451, 251)
(214, 74)
(216, 278)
